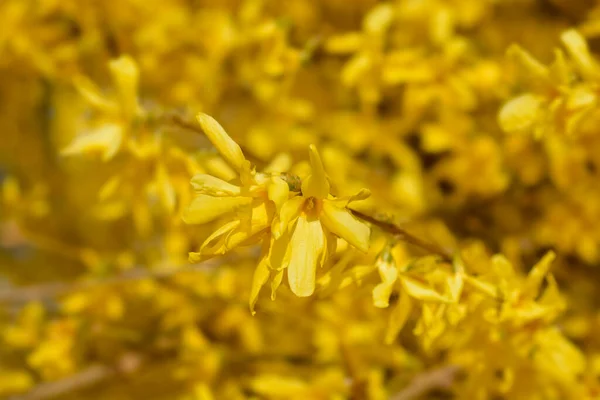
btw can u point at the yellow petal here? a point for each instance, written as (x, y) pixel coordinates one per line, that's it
(379, 18)
(382, 292)
(398, 317)
(208, 184)
(255, 220)
(316, 184)
(165, 189)
(105, 140)
(92, 94)
(307, 244)
(205, 208)
(578, 50)
(276, 282)
(215, 243)
(280, 251)
(342, 223)
(421, 291)
(355, 69)
(290, 210)
(537, 275)
(229, 149)
(345, 43)
(521, 113)
(537, 71)
(278, 192)
(261, 275)
(126, 76)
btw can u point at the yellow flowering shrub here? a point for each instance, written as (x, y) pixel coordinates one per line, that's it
(253, 199)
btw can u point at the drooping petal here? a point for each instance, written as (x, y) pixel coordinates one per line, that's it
(537, 275)
(307, 244)
(105, 140)
(92, 94)
(316, 184)
(345, 225)
(346, 43)
(208, 184)
(229, 149)
(580, 53)
(382, 292)
(421, 291)
(280, 251)
(290, 210)
(278, 192)
(253, 225)
(261, 276)
(520, 114)
(398, 317)
(125, 73)
(537, 72)
(205, 208)
(276, 282)
(164, 187)
(379, 18)
(215, 243)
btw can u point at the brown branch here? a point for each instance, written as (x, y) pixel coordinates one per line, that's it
(439, 378)
(404, 236)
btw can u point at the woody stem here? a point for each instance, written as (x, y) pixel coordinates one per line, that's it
(403, 235)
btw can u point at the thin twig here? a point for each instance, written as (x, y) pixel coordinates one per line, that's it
(440, 378)
(91, 376)
(404, 236)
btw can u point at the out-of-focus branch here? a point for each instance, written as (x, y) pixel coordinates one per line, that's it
(91, 376)
(404, 236)
(439, 378)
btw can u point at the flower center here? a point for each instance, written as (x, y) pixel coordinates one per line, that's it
(312, 206)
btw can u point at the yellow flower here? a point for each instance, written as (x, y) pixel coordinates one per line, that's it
(118, 114)
(303, 233)
(247, 207)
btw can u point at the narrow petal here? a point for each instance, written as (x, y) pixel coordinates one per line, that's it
(290, 210)
(345, 43)
(105, 140)
(520, 114)
(280, 251)
(205, 208)
(278, 192)
(92, 94)
(382, 292)
(537, 275)
(421, 291)
(580, 53)
(276, 282)
(254, 224)
(307, 244)
(229, 149)
(261, 276)
(215, 243)
(345, 225)
(208, 184)
(398, 317)
(316, 184)
(379, 18)
(125, 73)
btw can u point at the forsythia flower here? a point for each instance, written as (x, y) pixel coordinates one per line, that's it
(119, 113)
(300, 229)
